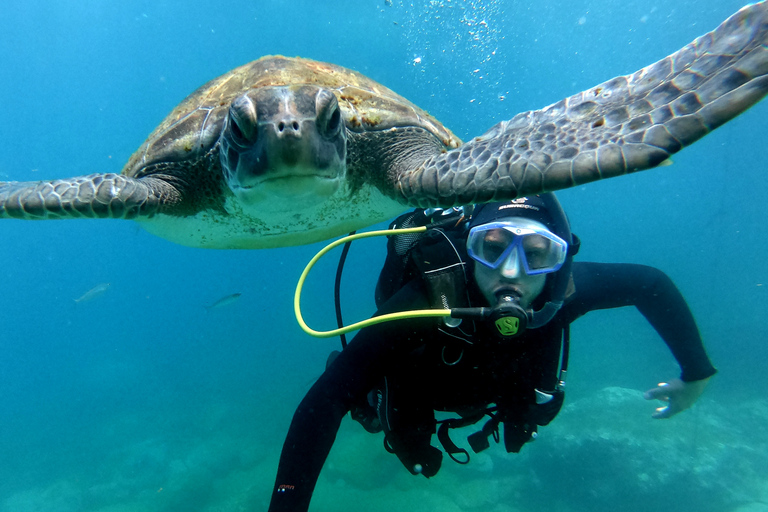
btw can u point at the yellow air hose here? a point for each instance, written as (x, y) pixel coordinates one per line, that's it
(420, 313)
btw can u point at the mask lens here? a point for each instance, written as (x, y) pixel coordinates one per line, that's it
(542, 253)
(490, 246)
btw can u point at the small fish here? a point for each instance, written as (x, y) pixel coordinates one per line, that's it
(94, 293)
(224, 301)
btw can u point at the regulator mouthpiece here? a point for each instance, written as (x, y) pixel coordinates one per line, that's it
(509, 317)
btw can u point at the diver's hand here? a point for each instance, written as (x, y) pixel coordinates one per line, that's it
(679, 396)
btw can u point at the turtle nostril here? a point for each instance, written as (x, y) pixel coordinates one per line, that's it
(291, 126)
(288, 127)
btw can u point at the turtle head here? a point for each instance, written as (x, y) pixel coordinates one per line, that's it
(280, 145)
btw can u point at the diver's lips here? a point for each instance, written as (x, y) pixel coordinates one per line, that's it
(508, 292)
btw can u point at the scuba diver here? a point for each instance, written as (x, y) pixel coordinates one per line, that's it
(507, 270)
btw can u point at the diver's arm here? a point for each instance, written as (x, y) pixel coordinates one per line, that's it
(601, 286)
(356, 370)
(612, 285)
(309, 440)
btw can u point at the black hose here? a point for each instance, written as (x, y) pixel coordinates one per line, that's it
(337, 290)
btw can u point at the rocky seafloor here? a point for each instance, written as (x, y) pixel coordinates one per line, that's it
(602, 453)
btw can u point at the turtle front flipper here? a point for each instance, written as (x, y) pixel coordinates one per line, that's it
(624, 125)
(97, 196)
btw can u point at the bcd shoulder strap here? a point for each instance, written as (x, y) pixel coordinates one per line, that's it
(430, 255)
(440, 259)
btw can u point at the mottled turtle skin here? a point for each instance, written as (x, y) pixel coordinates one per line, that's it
(286, 151)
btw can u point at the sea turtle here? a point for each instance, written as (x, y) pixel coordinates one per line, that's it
(286, 151)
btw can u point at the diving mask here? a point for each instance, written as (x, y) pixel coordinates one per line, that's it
(538, 250)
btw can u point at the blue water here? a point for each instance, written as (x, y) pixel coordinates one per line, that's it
(140, 400)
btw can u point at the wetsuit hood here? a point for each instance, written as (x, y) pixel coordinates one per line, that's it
(546, 209)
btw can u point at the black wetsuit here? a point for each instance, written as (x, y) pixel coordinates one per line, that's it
(427, 367)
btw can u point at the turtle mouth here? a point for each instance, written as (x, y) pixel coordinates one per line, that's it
(292, 170)
(282, 193)
(289, 177)
(293, 184)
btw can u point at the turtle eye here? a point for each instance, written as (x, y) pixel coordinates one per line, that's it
(328, 114)
(242, 121)
(335, 121)
(237, 133)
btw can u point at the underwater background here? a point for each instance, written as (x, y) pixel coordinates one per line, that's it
(144, 399)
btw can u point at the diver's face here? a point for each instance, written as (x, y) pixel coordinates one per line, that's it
(510, 278)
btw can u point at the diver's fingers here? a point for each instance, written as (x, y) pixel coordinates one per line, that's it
(663, 413)
(658, 393)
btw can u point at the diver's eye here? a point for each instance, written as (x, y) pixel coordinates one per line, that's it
(539, 252)
(494, 243)
(328, 114)
(537, 258)
(492, 250)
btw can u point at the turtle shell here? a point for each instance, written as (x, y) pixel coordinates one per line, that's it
(194, 126)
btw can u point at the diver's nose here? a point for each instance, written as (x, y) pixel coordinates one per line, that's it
(512, 268)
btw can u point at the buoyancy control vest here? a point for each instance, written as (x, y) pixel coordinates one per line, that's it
(438, 257)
